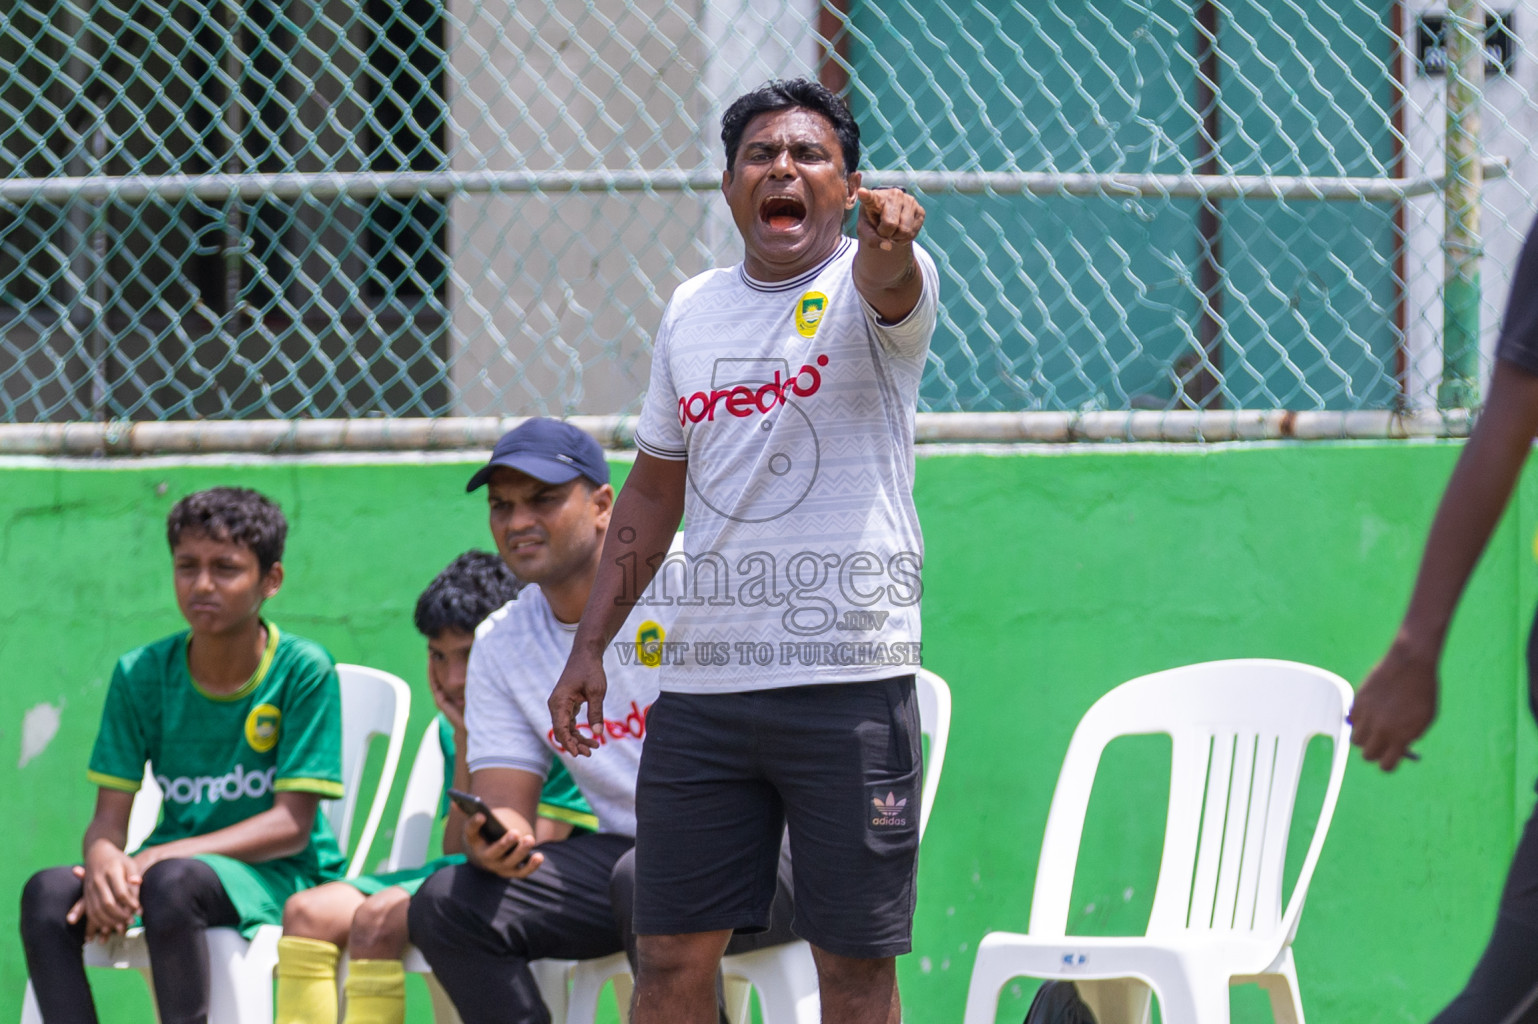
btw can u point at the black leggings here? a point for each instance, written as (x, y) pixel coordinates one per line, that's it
(1504, 986)
(180, 899)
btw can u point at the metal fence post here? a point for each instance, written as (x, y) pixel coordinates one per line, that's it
(1464, 38)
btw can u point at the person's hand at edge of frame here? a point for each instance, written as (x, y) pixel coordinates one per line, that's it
(888, 217)
(1395, 706)
(582, 682)
(512, 856)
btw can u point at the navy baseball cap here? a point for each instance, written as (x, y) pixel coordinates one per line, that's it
(547, 450)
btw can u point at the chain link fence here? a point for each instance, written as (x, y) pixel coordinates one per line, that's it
(263, 209)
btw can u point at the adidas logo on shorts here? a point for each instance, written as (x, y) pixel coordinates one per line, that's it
(890, 813)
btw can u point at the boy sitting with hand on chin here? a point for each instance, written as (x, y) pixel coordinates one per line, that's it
(242, 726)
(367, 915)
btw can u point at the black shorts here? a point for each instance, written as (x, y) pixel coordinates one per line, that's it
(838, 766)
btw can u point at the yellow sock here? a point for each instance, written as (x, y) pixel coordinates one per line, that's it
(306, 981)
(376, 992)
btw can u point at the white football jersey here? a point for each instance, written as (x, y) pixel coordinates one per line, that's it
(794, 407)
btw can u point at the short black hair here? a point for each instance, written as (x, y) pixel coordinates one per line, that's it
(236, 514)
(783, 94)
(470, 588)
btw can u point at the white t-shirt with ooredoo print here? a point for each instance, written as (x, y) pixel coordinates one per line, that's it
(793, 404)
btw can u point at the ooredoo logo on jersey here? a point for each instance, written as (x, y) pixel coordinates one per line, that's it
(772, 409)
(744, 400)
(232, 785)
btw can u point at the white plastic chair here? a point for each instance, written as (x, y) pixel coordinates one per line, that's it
(413, 834)
(785, 976)
(374, 703)
(419, 804)
(1239, 730)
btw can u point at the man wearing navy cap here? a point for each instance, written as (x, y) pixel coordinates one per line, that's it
(549, 450)
(480, 923)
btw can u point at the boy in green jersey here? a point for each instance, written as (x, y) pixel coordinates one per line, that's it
(367, 915)
(241, 725)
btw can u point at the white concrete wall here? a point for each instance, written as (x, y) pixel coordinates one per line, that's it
(555, 297)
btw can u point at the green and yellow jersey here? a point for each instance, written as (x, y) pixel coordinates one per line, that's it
(221, 758)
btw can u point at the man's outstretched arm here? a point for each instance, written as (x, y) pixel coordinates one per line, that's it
(1398, 700)
(646, 516)
(886, 273)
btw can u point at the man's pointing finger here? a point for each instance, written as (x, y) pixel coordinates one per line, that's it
(876, 211)
(872, 205)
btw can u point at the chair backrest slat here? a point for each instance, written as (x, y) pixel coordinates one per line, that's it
(145, 813)
(1065, 825)
(374, 703)
(1257, 833)
(1215, 815)
(1284, 797)
(1235, 830)
(1189, 759)
(419, 804)
(934, 698)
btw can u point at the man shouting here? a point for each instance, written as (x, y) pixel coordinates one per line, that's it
(779, 418)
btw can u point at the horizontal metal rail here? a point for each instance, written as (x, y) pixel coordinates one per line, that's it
(480, 433)
(368, 184)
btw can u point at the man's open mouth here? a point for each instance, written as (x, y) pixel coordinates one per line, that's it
(782, 213)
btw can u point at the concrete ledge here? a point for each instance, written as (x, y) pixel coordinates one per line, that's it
(86, 440)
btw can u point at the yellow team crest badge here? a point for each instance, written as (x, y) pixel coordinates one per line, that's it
(648, 642)
(262, 727)
(809, 313)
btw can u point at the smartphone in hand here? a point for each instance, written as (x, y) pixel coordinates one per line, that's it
(491, 829)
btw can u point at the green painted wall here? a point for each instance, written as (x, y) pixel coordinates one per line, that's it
(1051, 576)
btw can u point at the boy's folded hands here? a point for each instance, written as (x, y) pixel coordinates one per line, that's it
(110, 899)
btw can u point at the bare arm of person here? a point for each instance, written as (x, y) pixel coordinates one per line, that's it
(1398, 701)
(548, 830)
(513, 797)
(110, 879)
(886, 274)
(646, 516)
(280, 831)
(454, 823)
